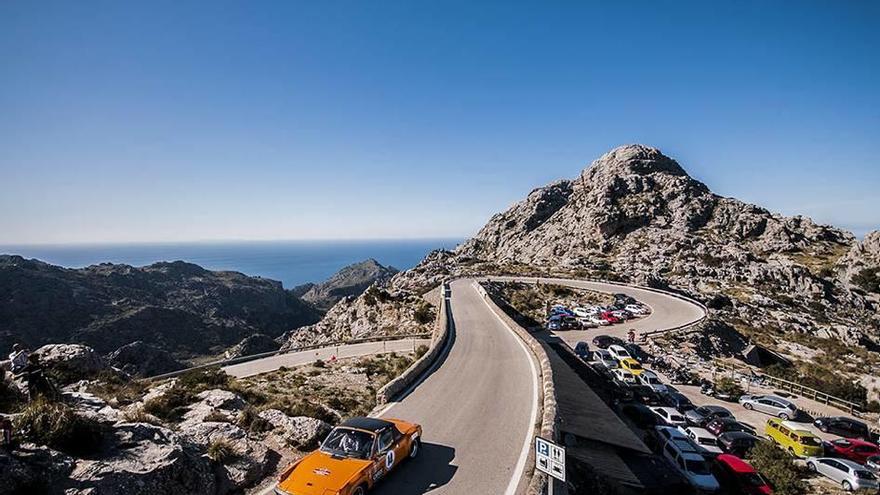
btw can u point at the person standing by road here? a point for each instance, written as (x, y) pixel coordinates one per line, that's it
(631, 336)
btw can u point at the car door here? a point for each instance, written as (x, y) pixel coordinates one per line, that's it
(765, 406)
(386, 456)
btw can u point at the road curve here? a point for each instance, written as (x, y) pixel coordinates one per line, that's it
(668, 311)
(272, 363)
(477, 408)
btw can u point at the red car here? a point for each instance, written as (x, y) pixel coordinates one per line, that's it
(610, 318)
(852, 449)
(735, 472)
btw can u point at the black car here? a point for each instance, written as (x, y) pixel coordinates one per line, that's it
(701, 415)
(646, 395)
(603, 341)
(723, 425)
(737, 443)
(641, 416)
(674, 399)
(843, 426)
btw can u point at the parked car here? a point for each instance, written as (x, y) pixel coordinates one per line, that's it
(587, 322)
(651, 379)
(843, 426)
(740, 475)
(604, 341)
(770, 404)
(632, 366)
(645, 395)
(873, 463)
(852, 449)
(848, 474)
(609, 317)
(581, 311)
(554, 323)
(604, 358)
(738, 443)
(691, 464)
(700, 416)
(622, 314)
(636, 309)
(793, 438)
(670, 415)
(724, 425)
(641, 416)
(582, 350)
(706, 442)
(625, 377)
(677, 400)
(619, 352)
(599, 321)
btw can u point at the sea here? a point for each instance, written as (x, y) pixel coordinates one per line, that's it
(291, 262)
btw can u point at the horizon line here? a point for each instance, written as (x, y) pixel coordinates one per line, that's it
(230, 241)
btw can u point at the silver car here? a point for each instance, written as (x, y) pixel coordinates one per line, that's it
(770, 404)
(848, 474)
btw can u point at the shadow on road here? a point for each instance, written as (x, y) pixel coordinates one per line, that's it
(430, 470)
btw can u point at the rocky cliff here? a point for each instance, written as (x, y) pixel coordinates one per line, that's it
(176, 307)
(349, 281)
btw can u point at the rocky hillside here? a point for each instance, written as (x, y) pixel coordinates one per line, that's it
(349, 281)
(176, 307)
(635, 214)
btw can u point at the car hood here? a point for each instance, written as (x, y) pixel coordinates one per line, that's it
(318, 472)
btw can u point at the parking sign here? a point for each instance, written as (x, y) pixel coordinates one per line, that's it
(550, 458)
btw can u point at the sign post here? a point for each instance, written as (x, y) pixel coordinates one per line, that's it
(550, 459)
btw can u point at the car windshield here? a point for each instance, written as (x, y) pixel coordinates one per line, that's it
(634, 365)
(708, 441)
(810, 441)
(348, 443)
(753, 479)
(653, 380)
(697, 467)
(675, 418)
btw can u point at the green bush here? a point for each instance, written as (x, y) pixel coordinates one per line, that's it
(421, 351)
(778, 467)
(204, 379)
(171, 405)
(424, 314)
(729, 386)
(302, 407)
(222, 451)
(250, 420)
(57, 425)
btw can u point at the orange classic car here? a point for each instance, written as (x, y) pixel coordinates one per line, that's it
(354, 456)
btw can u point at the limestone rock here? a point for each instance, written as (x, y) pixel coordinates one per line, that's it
(299, 430)
(70, 362)
(249, 461)
(141, 359)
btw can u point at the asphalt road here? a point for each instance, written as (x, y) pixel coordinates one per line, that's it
(477, 408)
(272, 363)
(667, 311)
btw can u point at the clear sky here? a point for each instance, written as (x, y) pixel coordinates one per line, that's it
(179, 120)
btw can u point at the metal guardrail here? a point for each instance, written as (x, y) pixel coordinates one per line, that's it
(324, 345)
(795, 388)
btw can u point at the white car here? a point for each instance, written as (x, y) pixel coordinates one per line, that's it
(670, 415)
(691, 464)
(603, 357)
(587, 322)
(619, 352)
(625, 377)
(848, 474)
(585, 311)
(622, 315)
(770, 404)
(705, 441)
(651, 379)
(670, 432)
(599, 321)
(636, 309)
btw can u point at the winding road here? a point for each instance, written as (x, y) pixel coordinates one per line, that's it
(478, 404)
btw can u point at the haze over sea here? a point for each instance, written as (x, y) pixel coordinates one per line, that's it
(291, 262)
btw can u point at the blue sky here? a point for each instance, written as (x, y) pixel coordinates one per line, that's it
(174, 121)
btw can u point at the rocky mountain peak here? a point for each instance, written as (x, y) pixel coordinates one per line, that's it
(633, 159)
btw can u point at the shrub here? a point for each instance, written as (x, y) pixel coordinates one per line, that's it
(726, 385)
(873, 406)
(303, 407)
(250, 420)
(868, 279)
(217, 417)
(139, 416)
(421, 351)
(57, 425)
(204, 379)
(171, 405)
(423, 314)
(222, 451)
(114, 388)
(319, 363)
(778, 467)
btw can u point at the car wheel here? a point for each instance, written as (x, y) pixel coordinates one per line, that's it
(846, 486)
(414, 448)
(811, 467)
(783, 416)
(748, 406)
(359, 491)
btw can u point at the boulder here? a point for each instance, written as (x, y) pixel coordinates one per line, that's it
(143, 459)
(301, 431)
(212, 402)
(142, 359)
(247, 464)
(254, 344)
(32, 469)
(70, 362)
